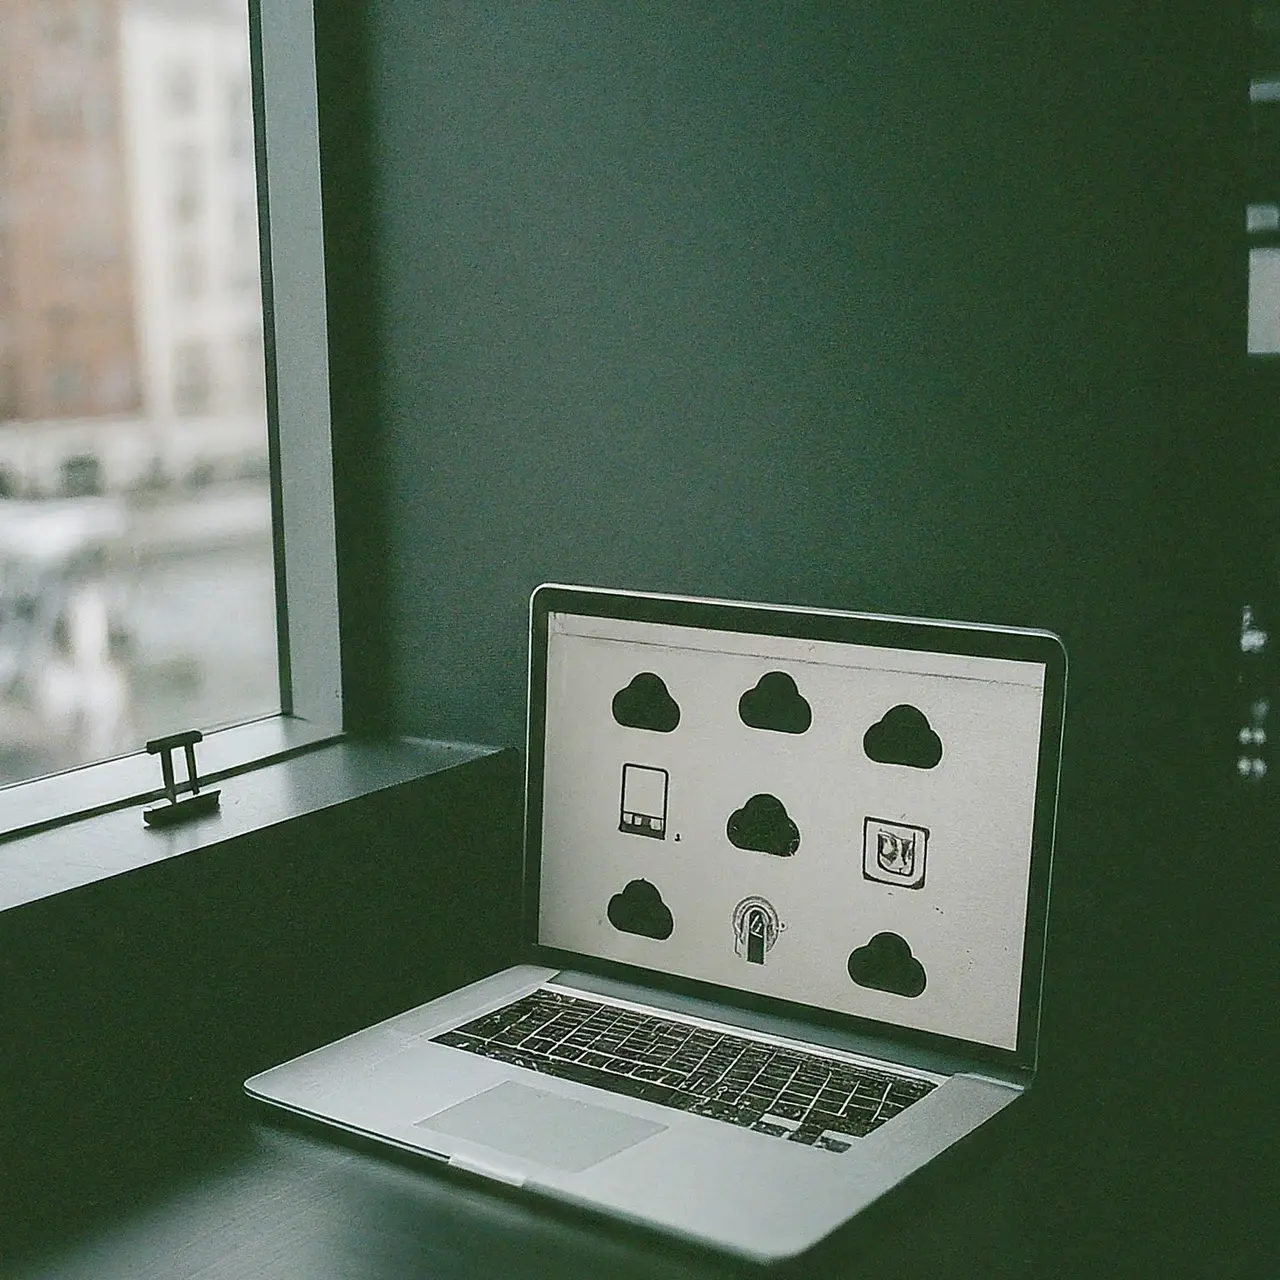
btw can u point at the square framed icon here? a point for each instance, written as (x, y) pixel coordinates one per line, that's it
(643, 807)
(894, 852)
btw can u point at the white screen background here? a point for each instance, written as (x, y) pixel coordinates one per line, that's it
(965, 924)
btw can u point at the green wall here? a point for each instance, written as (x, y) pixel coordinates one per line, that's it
(869, 306)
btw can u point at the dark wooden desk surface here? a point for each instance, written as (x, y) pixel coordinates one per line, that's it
(267, 1201)
(131, 1011)
(237, 1196)
(283, 1204)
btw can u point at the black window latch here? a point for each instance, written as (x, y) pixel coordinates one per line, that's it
(173, 810)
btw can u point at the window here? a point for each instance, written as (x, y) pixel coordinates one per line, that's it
(225, 368)
(188, 275)
(185, 179)
(68, 386)
(192, 379)
(81, 476)
(239, 119)
(1262, 213)
(58, 113)
(248, 355)
(178, 97)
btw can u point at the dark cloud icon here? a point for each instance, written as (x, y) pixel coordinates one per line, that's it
(639, 908)
(775, 703)
(646, 704)
(764, 825)
(903, 736)
(886, 963)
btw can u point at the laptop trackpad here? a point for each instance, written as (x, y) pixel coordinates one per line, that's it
(545, 1127)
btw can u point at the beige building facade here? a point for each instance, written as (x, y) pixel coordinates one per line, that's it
(68, 344)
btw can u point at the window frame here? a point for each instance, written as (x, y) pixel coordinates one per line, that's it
(285, 102)
(295, 318)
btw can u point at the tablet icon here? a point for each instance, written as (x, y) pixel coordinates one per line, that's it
(643, 806)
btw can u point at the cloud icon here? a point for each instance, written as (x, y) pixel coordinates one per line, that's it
(903, 736)
(764, 825)
(775, 703)
(639, 908)
(886, 963)
(646, 704)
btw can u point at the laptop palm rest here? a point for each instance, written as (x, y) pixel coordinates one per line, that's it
(544, 1127)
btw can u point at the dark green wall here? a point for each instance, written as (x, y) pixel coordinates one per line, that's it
(876, 306)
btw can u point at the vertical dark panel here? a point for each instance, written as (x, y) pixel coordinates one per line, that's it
(359, 454)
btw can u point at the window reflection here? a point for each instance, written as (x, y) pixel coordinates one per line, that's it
(136, 581)
(1262, 213)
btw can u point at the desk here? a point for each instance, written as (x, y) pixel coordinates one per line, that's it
(233, 1195)
(132, 1010)
(268, 1202)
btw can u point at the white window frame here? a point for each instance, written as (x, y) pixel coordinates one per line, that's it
(295, 324)
(311, 676)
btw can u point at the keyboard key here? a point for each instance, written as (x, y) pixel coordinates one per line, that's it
(788, 1110)
(822, 1119)
(909, 1091)
(856, 1110)
(725, 1111)
(772, 1127)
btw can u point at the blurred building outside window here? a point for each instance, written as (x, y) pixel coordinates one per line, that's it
(137, 590)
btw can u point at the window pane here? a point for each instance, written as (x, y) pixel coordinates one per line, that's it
(137, 589)
(1264, 301)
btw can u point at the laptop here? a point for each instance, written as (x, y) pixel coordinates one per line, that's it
(786, 888)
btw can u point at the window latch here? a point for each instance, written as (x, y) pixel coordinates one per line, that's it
(173, 810)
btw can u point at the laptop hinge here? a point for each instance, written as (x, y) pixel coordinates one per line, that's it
(471, 1165)
(1016, 1085)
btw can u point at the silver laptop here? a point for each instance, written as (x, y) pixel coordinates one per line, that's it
(787, 875)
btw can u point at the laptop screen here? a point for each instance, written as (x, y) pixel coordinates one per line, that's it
(833, 823)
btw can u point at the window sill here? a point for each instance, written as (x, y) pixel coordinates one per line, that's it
(132, 780)
(40, 863)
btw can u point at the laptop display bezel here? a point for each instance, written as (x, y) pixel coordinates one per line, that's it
(1018, 644)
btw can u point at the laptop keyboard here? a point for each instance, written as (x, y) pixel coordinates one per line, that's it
(787, 1093)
